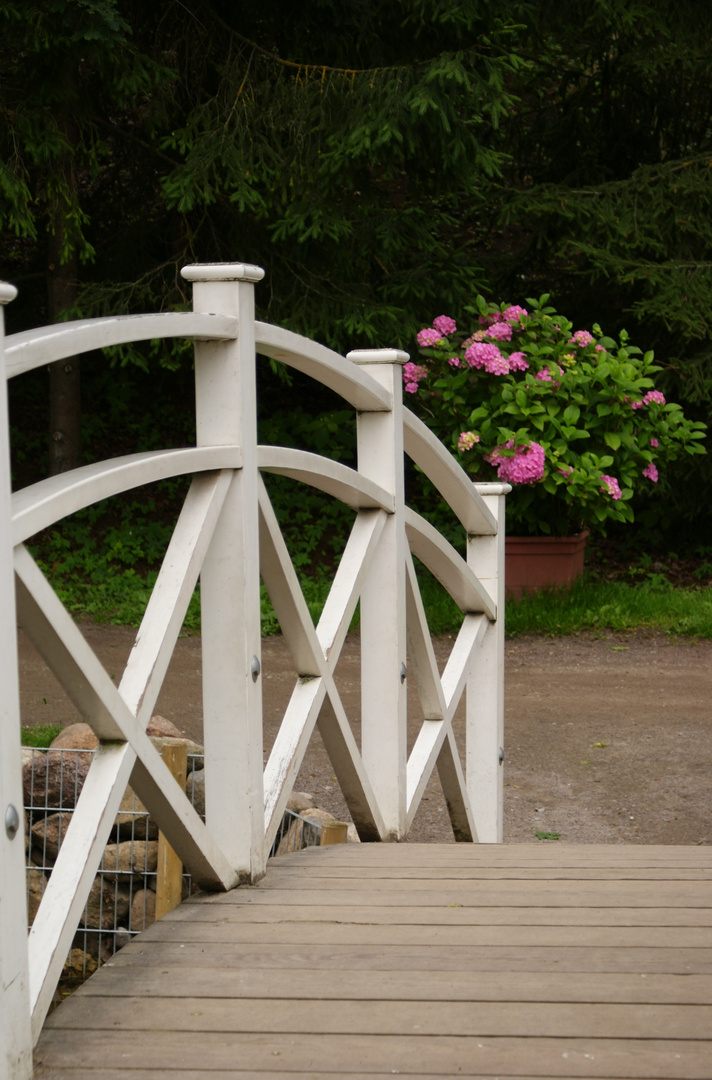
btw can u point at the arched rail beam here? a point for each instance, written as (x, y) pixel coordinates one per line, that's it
(450, 479)
(42, 504)
(331, 477)
(445, 564)
(329, 368)
(32, 348)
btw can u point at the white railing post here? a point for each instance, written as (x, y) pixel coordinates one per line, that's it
(15, 1032)
(485, 686)
(226, 414)
(382, 605)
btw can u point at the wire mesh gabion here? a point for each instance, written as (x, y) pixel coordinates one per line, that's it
(122, 899)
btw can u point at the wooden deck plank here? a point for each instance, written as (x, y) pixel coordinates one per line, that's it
(338, 933)
(484, 894)
(441, 961)
(471, 985)
(428, 1056)
(293, 957)
(448, 916)
(347, 1017)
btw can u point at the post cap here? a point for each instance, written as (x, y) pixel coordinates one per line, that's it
(8, 292)
(378, 356)
(222, 272)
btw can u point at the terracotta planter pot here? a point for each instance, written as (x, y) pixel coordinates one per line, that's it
(540, 562)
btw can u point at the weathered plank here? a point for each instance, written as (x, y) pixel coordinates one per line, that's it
(346, 1054)
(487, 894)
(439, 971)
(471, 985)
(341, 1016)
(442, 916)
(338, 933)
(293, 957)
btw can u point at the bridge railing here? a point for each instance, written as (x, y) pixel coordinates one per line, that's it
(228, 535)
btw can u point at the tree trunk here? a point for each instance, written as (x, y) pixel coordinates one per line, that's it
(65, 438)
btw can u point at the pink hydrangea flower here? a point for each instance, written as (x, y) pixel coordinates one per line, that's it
(454, 361)
(467, 440)
(482, 354)
(445, 325)
(651, 472)
(429, 336)
(600, 348)
(526, 466)
(545, 376)
(611, 487)
(500, 331)
(654, 395)
(654, 442)
(518, 361)
(636, 404)
(567, 471)
(514, 313)
(581, 338)
(412, 374)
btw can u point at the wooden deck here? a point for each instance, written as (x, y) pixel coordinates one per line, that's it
(421, 961)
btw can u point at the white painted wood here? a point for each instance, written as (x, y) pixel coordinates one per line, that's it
(340, 605)
(15, 1032)
(315, 657)
(485, 695)
(448, 566)
(33, 348)
(226, 413)
(217, 534)
(439, 699)
(383, 603)
(328, 476)
(347, 380)
(42, 504)
(422, 665)
(448, 476)
(62, 645)
(166, 609)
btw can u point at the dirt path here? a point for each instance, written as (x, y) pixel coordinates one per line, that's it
(608, 740)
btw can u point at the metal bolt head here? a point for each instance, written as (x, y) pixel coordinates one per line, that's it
(501, 754)
(12, 822)
(255, 669)
(403, 673)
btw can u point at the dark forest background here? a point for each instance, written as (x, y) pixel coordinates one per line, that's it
(384, 161)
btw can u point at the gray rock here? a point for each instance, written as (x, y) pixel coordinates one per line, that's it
(75, 737)
(36, 885)
(135, 859)
(195, 790)
(143, 909)
(132, 820)
(53, 781)
(107, 905)
(47, 836)
(299, 801)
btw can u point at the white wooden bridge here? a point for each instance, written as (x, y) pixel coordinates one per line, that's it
(393, 947)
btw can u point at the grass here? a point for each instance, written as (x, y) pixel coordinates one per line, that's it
(618, 606)
(41, 735)
(120, 598)
(102, 563)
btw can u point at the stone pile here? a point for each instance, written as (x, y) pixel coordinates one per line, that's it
(122, 900)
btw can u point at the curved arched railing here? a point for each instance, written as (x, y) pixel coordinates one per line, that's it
(228, 534)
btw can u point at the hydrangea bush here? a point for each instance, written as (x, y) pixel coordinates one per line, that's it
(571, 419)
